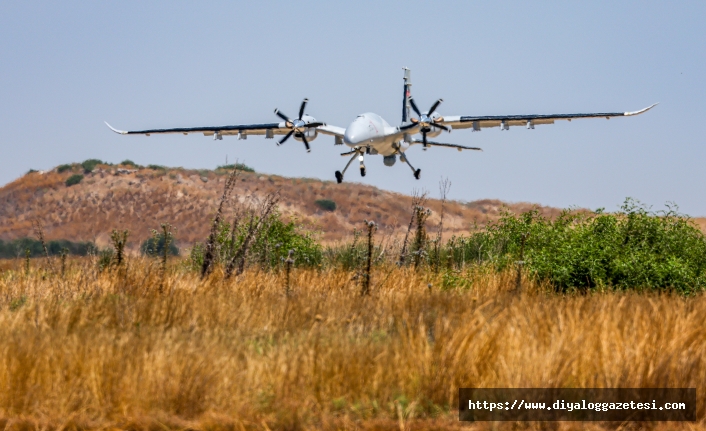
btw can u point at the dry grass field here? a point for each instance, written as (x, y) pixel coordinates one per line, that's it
(107, 350)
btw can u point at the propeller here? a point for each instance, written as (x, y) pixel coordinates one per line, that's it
(426, 121)
(298, 126)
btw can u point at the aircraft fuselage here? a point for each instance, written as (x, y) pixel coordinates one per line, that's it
(371, 130)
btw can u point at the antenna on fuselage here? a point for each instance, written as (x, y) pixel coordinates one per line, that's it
(407, 95)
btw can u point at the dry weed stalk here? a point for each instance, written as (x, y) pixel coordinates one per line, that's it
(28, 253)
(258, 217)
(64, 253)
(419, 199)
(444, 187)
(210, 252)
(119, 239)
(288, 262)
(366, 280)
(39, 233)
(421, 215)
(521, 262)
(168, 237)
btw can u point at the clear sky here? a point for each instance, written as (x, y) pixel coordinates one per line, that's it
(65, 67)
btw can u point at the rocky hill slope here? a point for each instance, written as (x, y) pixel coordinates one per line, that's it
(139, 199)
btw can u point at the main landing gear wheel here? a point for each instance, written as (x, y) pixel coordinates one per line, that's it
(339, 177)
(416, 173)
(362, 171)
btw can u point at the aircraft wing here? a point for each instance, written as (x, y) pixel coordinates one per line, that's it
(331, 130)
(529, 121)
(441, 144)
(268, 129)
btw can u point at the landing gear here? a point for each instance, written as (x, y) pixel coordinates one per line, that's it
(339, 174)
(416, 172)
(362, 165)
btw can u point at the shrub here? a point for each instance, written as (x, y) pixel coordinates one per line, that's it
(154, 246)
(74, 179)
(128, 162)
(156, 167)
(326, 204)
(105, 258)
(90, 164)
(268, 248)
(63, 168)
(239, 166)
(634, 248)
(31, 171)
(12, 249)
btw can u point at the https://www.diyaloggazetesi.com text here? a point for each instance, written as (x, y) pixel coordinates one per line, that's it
(577, 404)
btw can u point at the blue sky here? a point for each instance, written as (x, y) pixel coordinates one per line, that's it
(65, 67)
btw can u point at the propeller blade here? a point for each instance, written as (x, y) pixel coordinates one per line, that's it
(301, 108)
(441, 126)
(408, 126)
(414, 106)
(282, 116)
(317, 124)
(286, 137)
(434, 106)
(306, 144)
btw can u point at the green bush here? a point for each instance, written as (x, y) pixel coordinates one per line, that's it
(74, 179)
(279, 237)
(156, 167)
(12, 249)
(268, 249)
(239, 166)
(634, 248)
(128, 162)
(63, 168)
(31, 171)
(154, 246)
(105, 258)
(326, 204)
(90, 164)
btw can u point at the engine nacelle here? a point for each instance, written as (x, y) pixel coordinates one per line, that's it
(434, 131)
(309, 133)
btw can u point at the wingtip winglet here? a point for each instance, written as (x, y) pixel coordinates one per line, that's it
(120, 132)
(641, 111)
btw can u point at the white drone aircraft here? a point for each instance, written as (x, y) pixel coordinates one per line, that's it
(371, 134)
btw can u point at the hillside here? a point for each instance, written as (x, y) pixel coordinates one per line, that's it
(121, 197)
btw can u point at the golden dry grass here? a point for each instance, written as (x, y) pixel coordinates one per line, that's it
(106, 350)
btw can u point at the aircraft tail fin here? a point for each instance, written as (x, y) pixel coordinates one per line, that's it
(407, 95)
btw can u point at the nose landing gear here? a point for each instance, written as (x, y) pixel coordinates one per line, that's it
(339, 174)
(359, 153)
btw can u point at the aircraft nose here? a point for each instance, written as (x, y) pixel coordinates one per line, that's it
(354, 133)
